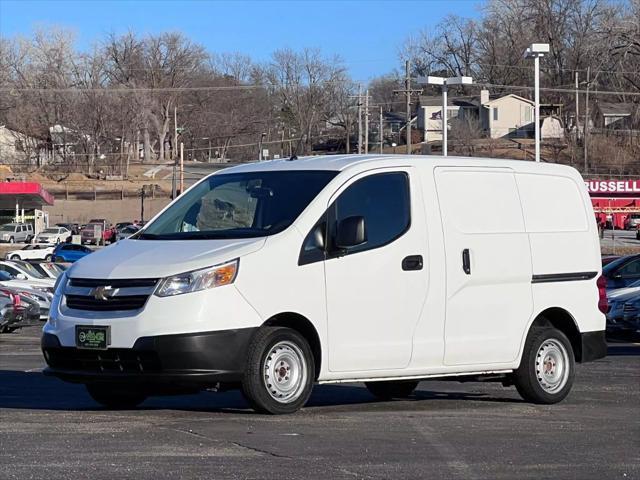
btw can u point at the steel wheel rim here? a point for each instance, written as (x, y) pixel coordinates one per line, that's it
(285, 372)
(552, 365)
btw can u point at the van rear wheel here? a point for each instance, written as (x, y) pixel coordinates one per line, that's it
(391, 389)
(114, 396)
(279, 372)
(547, 368)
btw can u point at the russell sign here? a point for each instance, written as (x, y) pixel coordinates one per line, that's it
(613, 187)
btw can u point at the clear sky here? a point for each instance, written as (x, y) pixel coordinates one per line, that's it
(366, 34)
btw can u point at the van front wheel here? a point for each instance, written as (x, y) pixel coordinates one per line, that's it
(391, 389)
(279, 372)
(547, 368)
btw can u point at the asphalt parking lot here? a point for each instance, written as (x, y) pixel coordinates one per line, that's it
(49, 429)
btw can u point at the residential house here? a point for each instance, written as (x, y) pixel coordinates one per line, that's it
(614, 116)
(506, 116)
(498, 117)
(20, 147)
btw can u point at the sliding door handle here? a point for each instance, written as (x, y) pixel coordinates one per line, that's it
(412, 262)
(466, 261)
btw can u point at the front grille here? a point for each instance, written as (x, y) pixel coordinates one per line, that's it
(131, 302)
(116, 283)
(628, 309)
(116, 360)
(122, 294)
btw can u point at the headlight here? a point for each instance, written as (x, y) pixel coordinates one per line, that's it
(210, 277)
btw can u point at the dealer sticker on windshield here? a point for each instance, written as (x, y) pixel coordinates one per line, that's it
(92, 337)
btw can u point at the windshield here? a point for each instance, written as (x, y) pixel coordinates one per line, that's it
(27, 267)
(50, 230)
(239, 205)
(7, 228)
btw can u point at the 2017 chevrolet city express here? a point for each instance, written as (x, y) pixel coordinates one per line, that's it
(273, 276)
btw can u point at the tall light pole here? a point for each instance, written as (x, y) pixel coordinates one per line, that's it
(444, 83)
(535, 51)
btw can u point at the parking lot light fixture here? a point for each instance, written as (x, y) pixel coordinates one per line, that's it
(535, 51)
(444, 82)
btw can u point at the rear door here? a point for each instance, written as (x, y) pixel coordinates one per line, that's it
(488, 263)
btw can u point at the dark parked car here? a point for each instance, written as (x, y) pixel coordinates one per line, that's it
(70, 252)
(622, 271)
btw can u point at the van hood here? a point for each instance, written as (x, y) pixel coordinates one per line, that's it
(160, 258)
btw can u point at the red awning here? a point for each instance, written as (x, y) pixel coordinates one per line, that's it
(28, 195)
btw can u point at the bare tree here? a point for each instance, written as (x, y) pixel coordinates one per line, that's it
(302, 82)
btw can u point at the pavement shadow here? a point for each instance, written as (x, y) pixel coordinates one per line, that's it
(34, 391)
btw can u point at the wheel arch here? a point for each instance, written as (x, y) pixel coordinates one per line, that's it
(562, 320)
(304, 327)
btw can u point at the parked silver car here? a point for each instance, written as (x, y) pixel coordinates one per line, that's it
(16, 232)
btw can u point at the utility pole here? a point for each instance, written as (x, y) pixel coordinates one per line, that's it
(536, 78)
(585, 137)
(366, 122)
(408, 92)
(577, 110)
(174, 151)
(381, 130)
(181, 168)
(359, 118)
(407, 87)
(175, 132)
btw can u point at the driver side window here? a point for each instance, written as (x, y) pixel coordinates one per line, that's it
(383, 201)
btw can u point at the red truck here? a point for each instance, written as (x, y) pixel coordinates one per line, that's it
(90, 231)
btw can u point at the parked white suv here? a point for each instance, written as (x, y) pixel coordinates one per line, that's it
(382, 269)
(16, 232)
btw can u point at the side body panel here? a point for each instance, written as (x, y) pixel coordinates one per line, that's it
(488, 259)
(564, 239)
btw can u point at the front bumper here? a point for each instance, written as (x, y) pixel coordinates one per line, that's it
(189, 361)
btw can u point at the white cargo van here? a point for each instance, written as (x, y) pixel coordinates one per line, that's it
(386, 270)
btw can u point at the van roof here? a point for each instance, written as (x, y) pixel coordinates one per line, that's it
(344, 162)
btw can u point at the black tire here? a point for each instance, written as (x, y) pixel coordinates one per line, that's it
(48, 258)
(392, 389)
(262, 350)
(114, 396)
(530, 376)
(15, 257)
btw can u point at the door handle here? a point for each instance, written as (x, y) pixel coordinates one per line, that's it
(412, 262)
(466, 261)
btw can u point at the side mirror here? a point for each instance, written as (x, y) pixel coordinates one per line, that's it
(351, 232)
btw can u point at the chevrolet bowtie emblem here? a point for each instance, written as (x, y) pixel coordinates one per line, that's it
(103, 293)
